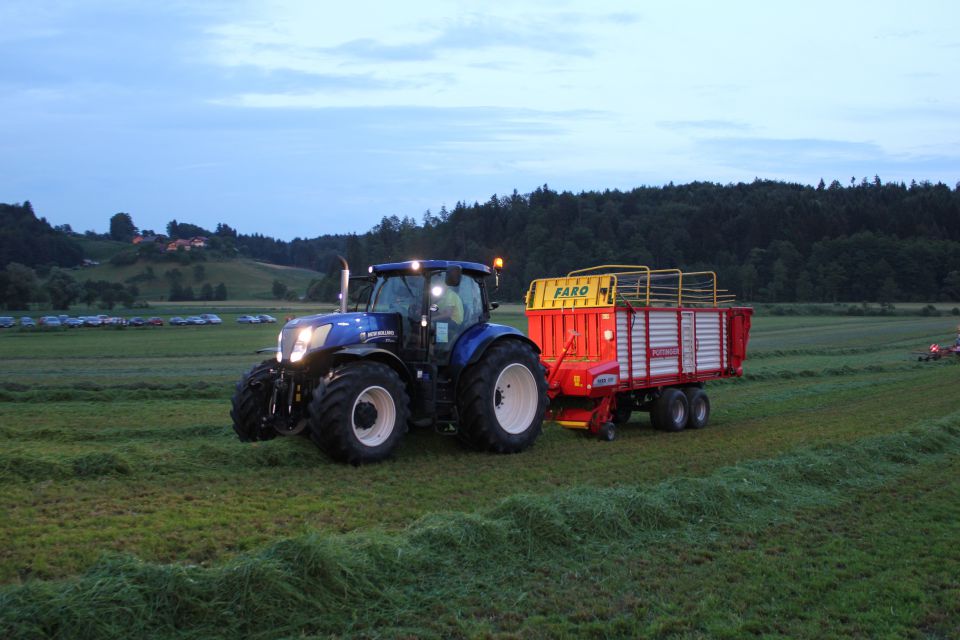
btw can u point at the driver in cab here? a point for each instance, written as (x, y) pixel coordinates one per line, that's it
(449, 305)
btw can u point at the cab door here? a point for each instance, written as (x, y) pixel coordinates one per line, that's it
(452, 310)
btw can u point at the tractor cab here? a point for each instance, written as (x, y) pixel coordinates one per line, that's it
(436, 301)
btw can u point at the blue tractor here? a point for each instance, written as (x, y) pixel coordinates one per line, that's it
(421, 352)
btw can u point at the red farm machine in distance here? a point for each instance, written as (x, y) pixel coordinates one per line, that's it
(618, 338)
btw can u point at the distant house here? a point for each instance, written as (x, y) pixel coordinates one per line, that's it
(199, 242)
(179, 244)
(159, 240)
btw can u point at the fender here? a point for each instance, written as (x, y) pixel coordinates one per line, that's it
(474, 342)
(361, 352)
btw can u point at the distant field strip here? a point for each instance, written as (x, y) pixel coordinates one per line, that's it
(423, 577)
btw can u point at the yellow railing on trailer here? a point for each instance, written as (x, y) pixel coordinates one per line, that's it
(632, 285)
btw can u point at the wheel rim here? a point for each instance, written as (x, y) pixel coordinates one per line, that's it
(699, 409)
(515, 398)
(678, 412)
(373, 416)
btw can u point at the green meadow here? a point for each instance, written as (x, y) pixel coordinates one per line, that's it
(823, 500)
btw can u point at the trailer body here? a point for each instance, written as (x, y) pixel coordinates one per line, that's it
(613, 338)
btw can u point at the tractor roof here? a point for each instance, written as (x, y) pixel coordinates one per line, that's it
(429, 265)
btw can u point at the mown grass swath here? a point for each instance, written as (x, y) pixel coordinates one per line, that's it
(317, 584)
(119, 442)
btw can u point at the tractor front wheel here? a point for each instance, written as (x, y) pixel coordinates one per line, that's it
(249, 403)
(361, 414)
(503, 398)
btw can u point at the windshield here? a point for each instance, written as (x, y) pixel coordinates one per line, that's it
(398, 293)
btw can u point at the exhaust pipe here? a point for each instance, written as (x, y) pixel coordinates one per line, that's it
(344, 284)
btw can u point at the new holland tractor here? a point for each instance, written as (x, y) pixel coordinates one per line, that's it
(422, 352)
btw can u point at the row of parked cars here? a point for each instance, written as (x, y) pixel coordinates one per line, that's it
(7, 322)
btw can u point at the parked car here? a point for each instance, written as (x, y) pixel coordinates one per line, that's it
(136, 321)
(6, 322)
(50, 321)
(266, 318)
(73, 323)
(248, 320)
(62, 318)
(27, 321)
(155, 321)
(177, 321)
(211, 318)
(195, 320)
(92, 321)
(115, 321)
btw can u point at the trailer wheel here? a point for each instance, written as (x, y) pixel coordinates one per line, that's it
(621, 415)
(699, 404)
(249, 403)
(502, 399)
(670, 410)
(361, 414)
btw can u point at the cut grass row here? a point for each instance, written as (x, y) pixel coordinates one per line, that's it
(176, 484)
(741, 550)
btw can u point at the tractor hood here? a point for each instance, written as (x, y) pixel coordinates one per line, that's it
(304, 335)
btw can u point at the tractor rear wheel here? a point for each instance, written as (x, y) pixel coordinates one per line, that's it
(361, 413)
(670, 410)
(502, 399)
(249, 403)
(699, 405)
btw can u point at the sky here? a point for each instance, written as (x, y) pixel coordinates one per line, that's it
(297, 118)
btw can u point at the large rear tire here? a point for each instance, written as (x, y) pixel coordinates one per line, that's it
(670, 410)
(249, 403)
(362, 413)
(502, 399)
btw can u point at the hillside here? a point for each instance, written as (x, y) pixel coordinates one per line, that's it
(244, 279)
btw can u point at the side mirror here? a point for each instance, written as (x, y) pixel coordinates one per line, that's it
(454, 274)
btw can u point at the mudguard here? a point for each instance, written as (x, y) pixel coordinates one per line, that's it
(361, 352)
(475, 341)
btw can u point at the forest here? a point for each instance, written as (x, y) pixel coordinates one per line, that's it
(769, 241)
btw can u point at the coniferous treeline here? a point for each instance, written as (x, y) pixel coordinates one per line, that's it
(768, 241)
(29, 240)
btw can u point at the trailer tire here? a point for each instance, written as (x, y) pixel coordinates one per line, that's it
(362, 413)
(699, 404)
(249, 403)
(502, 399)
(670, 410)
(621, 414)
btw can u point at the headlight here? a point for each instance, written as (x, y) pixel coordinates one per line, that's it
(308, 338)
(280, 347)
(300, 346)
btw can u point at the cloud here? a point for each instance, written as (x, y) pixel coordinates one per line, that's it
(703, 125)
(811, 157)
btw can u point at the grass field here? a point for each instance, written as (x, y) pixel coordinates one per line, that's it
(821, 501)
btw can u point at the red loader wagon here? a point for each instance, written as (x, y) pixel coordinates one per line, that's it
(619, 338)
